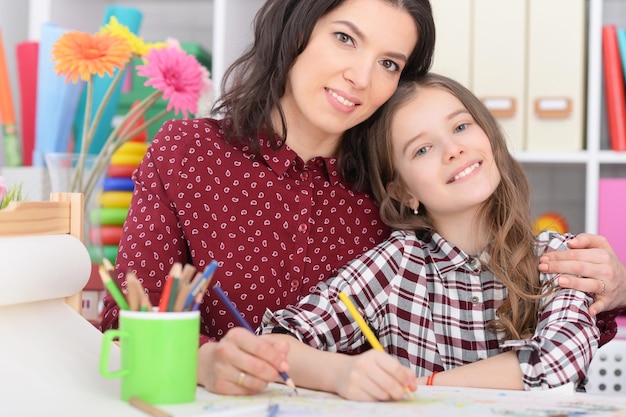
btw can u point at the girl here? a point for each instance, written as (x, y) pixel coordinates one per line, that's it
(454, 292)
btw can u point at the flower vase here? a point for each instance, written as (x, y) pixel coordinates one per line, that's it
(61, 169)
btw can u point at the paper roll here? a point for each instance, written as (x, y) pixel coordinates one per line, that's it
(35, 268)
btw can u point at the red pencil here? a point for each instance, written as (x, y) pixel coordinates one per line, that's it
(167, 289)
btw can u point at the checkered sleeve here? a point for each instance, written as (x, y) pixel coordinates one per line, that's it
(322, 321)
(566, 336)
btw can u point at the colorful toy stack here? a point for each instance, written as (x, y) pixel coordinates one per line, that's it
(107, 219)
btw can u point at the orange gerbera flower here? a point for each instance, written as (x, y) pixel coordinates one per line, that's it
(81, 55)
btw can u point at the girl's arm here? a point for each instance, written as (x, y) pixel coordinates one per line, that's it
(559, 352)
(501, 371)
(370, 376)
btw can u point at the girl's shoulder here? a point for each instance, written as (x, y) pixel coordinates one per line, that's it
(549, 241)
(407, 236)
(404, 241)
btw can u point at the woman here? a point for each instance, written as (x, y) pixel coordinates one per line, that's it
(274, 190)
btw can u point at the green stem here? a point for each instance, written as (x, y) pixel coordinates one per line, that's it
(115, 140)
(136, 112)
(89, 127)
(107, 96)
(126, 137)
(76, 183)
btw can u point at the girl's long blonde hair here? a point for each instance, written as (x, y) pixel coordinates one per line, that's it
(505, 216)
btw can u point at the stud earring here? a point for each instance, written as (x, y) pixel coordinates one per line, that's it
(416, 211)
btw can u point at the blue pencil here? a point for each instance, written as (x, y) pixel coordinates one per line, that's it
(233, 310)
(199, 285)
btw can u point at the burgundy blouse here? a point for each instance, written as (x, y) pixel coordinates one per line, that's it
(277, 225)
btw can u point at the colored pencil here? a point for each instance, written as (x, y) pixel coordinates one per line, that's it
(171, 298)
(113, 289)
(200, 295)
(108, 266)
(148, 408)
(167, 288)
(184, 286)
(132, 292)
(365, 328)
(137, 296)
(243, 323)
(200, 284)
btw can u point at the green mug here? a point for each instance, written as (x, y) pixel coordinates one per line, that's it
(159, 355)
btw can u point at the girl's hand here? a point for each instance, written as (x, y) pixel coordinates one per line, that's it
(590, 266)
(373, 376)
(241, 363)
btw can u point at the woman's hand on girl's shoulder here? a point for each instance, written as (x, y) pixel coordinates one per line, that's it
(590, 265)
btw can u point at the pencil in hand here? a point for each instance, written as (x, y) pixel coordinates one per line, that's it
(365, 329)
(243, 323)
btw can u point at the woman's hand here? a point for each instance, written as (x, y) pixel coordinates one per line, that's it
(590, 266)
(241, 363)
(372, 376)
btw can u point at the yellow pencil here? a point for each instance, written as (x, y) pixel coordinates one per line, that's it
(365, 328)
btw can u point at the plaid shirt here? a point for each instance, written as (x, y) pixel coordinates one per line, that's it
(428, 302)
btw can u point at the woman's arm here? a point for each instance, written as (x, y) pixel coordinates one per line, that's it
(241, 363)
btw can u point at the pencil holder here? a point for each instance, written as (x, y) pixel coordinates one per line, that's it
(159, 355)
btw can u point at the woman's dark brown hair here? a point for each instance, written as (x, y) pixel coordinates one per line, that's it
(253, 85)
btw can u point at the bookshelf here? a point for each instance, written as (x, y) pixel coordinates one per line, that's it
(566, 182)
(602, 162)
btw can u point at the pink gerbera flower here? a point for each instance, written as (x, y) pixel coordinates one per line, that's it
(178, 75)
(3, 188)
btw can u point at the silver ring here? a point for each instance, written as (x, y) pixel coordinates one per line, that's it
(603, 287)
(242, 376)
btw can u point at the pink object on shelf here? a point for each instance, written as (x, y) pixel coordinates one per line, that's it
(27, 56)
(621, 327)
(611, 219)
